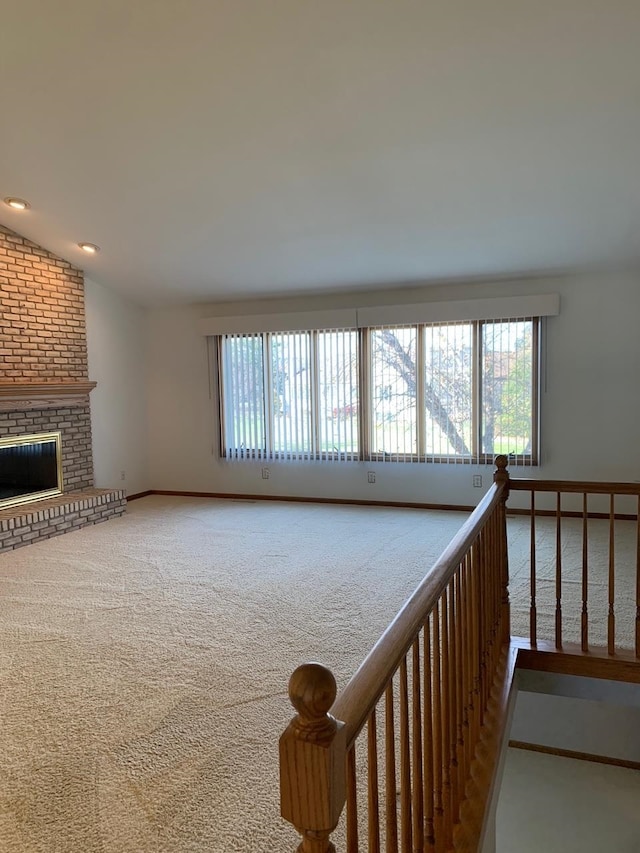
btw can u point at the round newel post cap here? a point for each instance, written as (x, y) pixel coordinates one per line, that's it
(312, 690)
(501, 475)
(501, 462)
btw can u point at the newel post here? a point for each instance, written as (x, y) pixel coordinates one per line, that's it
(501, 475)
(313, 760)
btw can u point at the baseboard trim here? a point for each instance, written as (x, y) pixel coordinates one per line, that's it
(298, 499)
(358, 502)
(571, 753)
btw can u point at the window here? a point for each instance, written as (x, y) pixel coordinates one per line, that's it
(460, 392)
(290, 395)
(509, 392)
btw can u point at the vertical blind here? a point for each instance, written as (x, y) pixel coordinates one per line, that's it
(449, 390)
(394, 381)
(508, 398)
(423, 391)
(337, 385)
(244, 422)
(290, 395)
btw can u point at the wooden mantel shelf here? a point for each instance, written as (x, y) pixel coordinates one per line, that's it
(19, 396)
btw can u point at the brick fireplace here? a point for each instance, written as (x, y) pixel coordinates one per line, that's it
(44, 386)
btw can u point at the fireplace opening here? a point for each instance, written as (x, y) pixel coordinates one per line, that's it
(30, 468)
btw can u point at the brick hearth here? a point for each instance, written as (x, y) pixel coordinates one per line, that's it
(29, 523)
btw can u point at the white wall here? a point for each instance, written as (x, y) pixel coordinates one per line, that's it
(116, 347)
(590, 715)
(590, 406)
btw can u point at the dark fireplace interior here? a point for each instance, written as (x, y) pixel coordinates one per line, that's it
(27, 469)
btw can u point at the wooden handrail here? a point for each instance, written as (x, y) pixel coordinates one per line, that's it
(573, 486)
(354, 705)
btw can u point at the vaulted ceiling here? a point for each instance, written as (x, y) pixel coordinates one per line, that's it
(221, 149)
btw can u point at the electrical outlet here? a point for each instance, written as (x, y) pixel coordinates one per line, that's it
(123, 475)
(371, 476)
(266, 473)
(477, 481)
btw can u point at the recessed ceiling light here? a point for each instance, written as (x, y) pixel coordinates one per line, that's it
(89, 248)
(17, 203)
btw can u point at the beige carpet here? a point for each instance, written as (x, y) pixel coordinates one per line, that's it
(144, 664)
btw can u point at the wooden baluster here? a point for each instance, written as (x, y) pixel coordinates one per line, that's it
(533, 613)
(501, 475)
(638, 579)
(489, 587)
(312, 760)
(474, 609)
(460, 682)
(495, 564)
(558, 574)
(373, 798)
(391, 822)
(405, 767)
(464, 671)
(499, 638)
(493, 569)
(446, 722)
(504, 612)
(438, 800)
(484, 611)
(476, 634)
(469, 659)
(428, 776)
(453, 704)
(488, 612)
(611, 619)
(491, 591)
(503, 582)
(417, 806)
(352, 802)
(480, 624)
(487, 617)
(584, 631)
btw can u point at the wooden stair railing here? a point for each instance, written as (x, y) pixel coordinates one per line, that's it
(430, 700)
(411, 743)
(553, 504)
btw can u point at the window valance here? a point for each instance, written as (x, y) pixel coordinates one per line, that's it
(495, 308)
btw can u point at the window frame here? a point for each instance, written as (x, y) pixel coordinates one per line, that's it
(315, 453)
(364, 355)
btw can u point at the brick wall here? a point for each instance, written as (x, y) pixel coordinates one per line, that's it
(42, 326)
